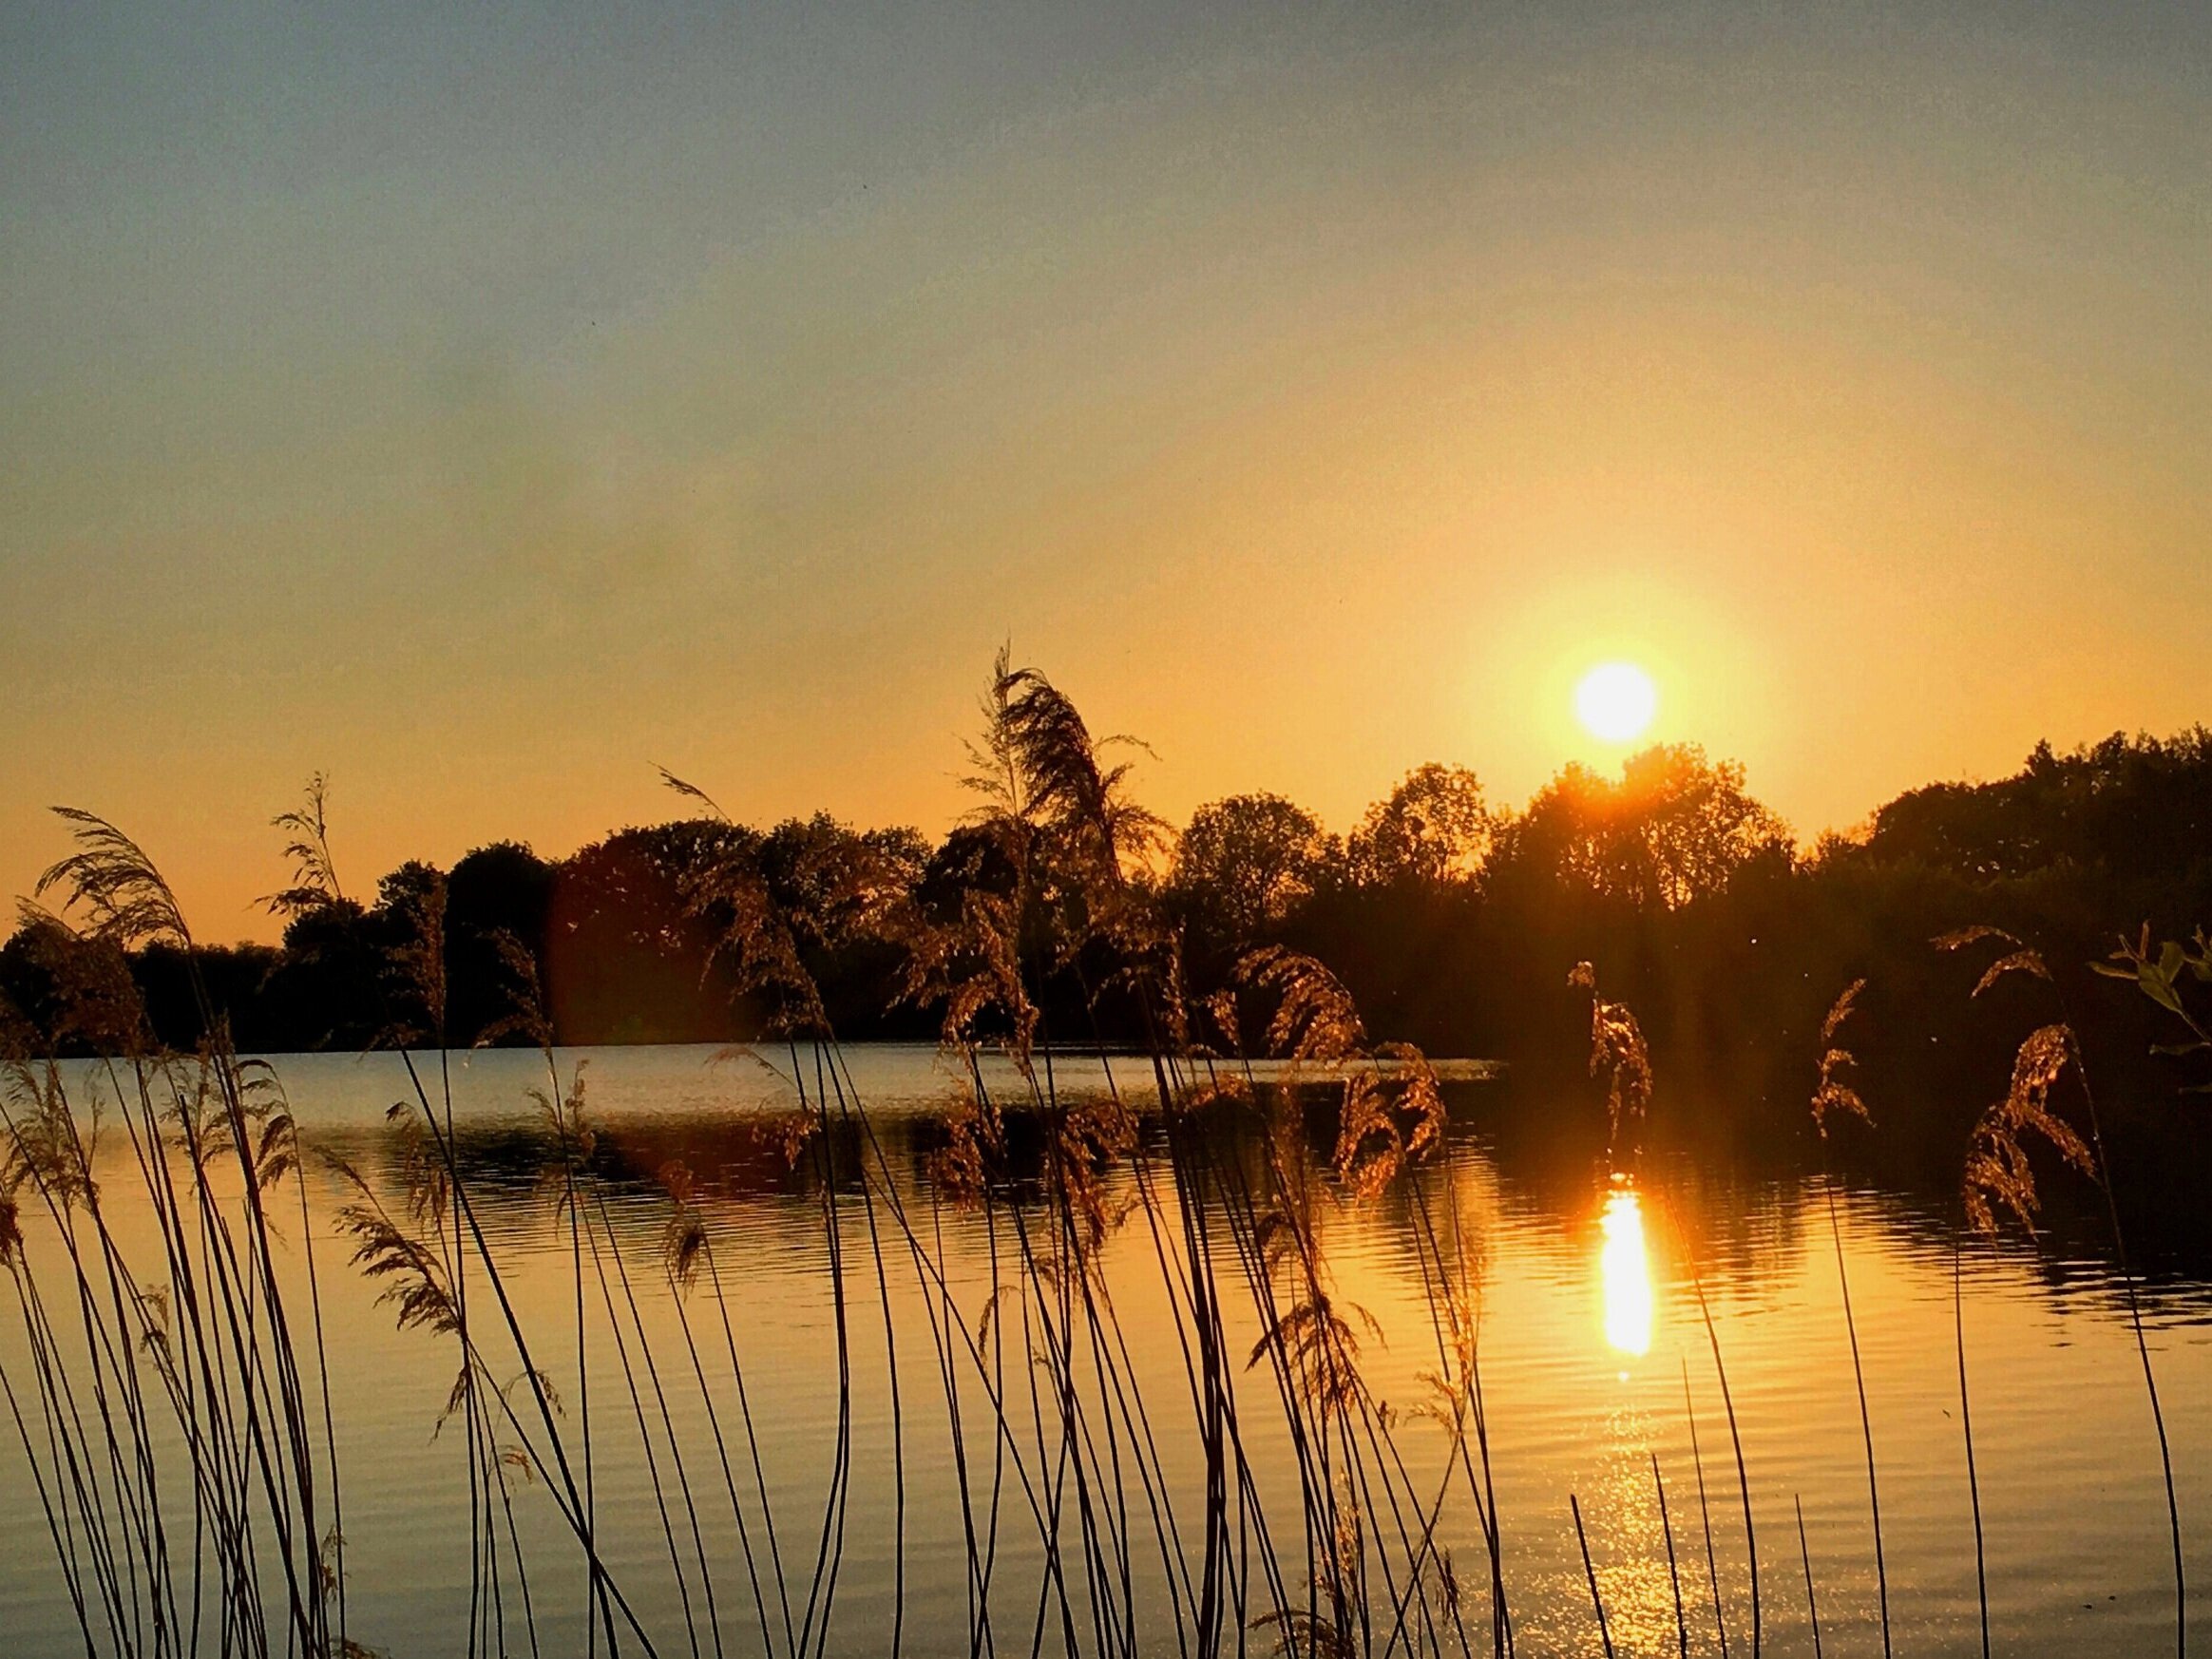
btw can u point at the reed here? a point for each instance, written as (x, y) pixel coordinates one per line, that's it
(1981, 1572)
(1743, 1470)
(1999, 1172)
(188, 1401)
(1805, 1557)
(1673, 1569)
(1224, 1477)
(1704, 1513)
(1835, 1092)
(1590, 1572)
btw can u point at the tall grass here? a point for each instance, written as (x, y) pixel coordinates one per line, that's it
(174, 1453)
(1835, 1092)
(176, 1413)
(1998, 1172)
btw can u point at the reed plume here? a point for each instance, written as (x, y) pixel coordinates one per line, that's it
(217, 1337)
(1617, 1051)
(1998, 1166)
(1833, 1094)
(315, 872)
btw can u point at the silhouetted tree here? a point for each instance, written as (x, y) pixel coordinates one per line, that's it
(400, 891)
(1672, 829)
(326, 989)
(627, 960)
(502, 889)
(1451, 925)
(1433, 828)
(2129, 809)
(1244, 863)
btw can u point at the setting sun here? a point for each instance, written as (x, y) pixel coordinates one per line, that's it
(1615, 702)
(1270, 661)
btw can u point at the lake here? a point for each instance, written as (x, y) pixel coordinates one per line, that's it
(1592, 1349)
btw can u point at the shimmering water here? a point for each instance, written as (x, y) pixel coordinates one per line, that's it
(1591, 1335)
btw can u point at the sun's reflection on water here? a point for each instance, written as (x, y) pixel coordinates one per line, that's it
(1625, 1272)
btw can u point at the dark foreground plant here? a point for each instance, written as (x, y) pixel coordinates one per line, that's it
(1266, 1496)
(1998, 1171)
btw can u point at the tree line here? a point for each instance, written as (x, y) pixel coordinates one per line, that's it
(1453, 920)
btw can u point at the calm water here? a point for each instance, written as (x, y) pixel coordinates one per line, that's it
(1589, 1327)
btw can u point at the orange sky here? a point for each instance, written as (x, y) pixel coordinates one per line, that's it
(489, 409)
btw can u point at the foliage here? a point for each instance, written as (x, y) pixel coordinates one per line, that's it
(1047, 914)
(1434, 828)
(2163, 976)
(1044, 910)
(1247, 864)
(1673, 829)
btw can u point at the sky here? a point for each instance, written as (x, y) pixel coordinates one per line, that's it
(486, 404)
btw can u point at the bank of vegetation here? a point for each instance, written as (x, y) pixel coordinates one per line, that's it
(169, 1393)
(1452, 918)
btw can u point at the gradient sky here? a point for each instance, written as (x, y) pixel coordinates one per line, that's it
(485, 403)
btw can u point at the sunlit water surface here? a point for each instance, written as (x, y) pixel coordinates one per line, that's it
(1594, 1351)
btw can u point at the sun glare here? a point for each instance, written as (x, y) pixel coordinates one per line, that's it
(1615, 702)
(1625, 1273)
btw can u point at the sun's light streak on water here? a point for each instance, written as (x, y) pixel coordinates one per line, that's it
(1625, 1270)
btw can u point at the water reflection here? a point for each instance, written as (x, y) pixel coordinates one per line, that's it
(1510, 1197)
(1625, 1272)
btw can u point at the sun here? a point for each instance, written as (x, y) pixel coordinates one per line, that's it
(1615, 702)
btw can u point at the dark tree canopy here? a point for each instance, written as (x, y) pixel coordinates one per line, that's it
(1674, 828)
(2130, 806)
(1433, 828)
(1453, 923)
(1245, 863)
